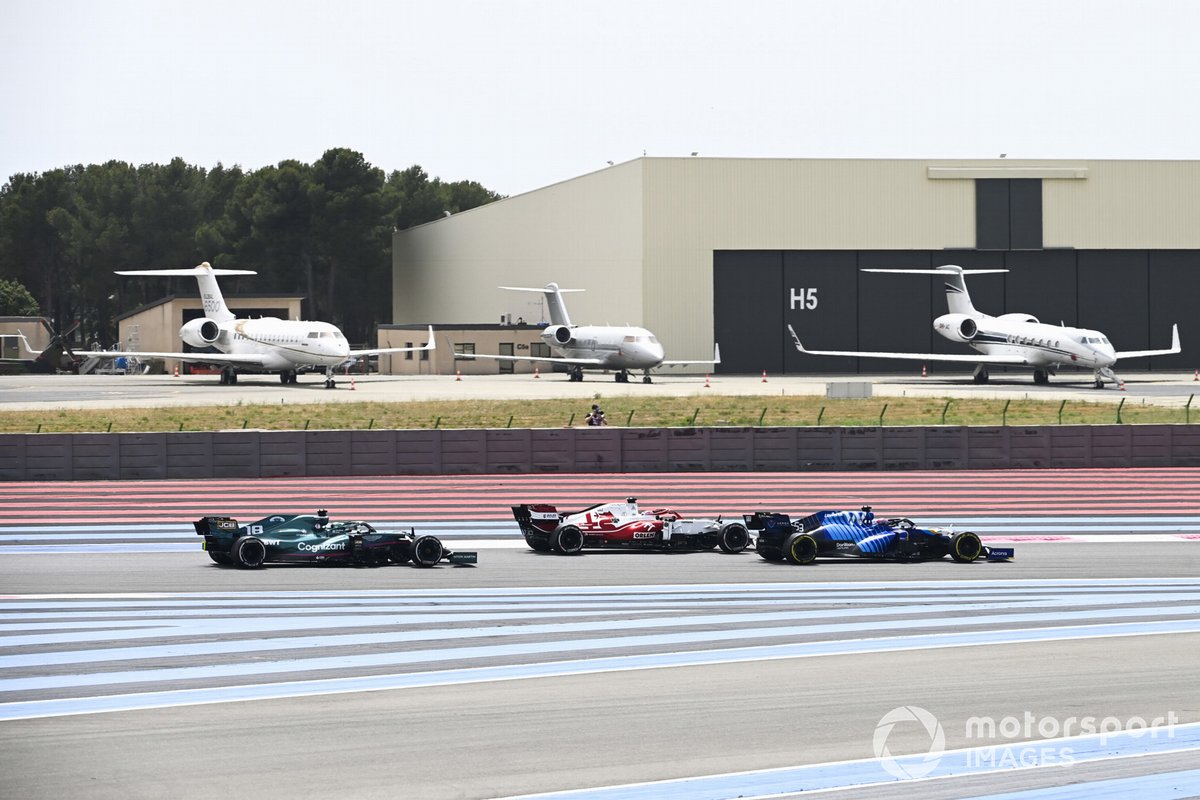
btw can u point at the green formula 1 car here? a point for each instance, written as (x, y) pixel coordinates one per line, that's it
(314, 539)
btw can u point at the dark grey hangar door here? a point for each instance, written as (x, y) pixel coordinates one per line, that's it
(748, 310)
(506, 367)
(820, 300)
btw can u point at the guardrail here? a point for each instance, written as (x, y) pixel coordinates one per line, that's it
(265, 454)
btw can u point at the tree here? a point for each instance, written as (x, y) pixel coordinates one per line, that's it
(347, 206)
(16, 301)
(323, 230)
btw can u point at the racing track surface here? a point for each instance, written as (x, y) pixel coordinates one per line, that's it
(132, 667)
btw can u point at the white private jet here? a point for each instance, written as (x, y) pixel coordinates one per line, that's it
(265, 344)
(1014, 339)
(597, 346)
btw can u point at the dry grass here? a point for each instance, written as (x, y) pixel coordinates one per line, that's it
(637, 412)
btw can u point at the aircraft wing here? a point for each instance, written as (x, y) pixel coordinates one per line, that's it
(1174, 348)
(245, 360)
(716, 359)
(430, 345)
(978, 358)
(582, 362)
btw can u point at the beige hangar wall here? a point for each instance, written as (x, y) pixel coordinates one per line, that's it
(584, 233)
(639, 236)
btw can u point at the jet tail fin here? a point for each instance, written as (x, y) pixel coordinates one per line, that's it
(554, 301)
(206, 277)
(958, 300)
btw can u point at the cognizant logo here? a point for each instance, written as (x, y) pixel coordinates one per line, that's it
(909, 720)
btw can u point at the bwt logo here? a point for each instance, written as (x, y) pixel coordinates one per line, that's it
(914, 766)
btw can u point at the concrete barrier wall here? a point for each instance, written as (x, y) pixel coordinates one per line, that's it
(268, 454)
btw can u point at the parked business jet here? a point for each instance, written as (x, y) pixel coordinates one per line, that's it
(610, 347)
(1015, 339)
(265, 344)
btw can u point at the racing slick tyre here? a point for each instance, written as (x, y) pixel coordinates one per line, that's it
(221, 558)
(965, 547)
(567, 540)
(800, 548)
(427, 551)
(734, 537)
(249, 552)
(537, 544)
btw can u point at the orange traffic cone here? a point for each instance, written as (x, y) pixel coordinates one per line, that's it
(706, 383)
(1122, 386)
(764, 376)
(352, 383)
(176, 370)
(537, 372)
(458, 374)
(924, 374)
(1196, 377)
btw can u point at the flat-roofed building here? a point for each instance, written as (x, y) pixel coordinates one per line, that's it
(733, 250)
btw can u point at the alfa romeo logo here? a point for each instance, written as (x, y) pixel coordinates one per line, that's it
(915, 765)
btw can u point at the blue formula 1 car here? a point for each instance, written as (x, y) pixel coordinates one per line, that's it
(859, 533)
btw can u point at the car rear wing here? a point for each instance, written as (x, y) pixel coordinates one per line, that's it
(216, 526)
(766, 520)
(537, 517)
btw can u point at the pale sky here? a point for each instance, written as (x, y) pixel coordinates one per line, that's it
(518, 94)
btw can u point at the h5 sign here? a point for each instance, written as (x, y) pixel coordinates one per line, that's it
(805, 299)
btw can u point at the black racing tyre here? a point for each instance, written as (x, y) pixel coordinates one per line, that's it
(427, 551)
(541, 545)
(221, 558)
(734, 537)
(249, 552)
(567, 539)
(800, 548)
(771, 554)
(965, 547)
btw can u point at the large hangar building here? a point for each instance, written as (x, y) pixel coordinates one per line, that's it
(733, 250)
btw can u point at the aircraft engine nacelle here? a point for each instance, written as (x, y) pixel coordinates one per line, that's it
(956, 327)
(559, 334)
(200, 332)
(1019, 318)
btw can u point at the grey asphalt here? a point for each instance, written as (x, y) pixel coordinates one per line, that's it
(41, 392)
(539, 734)
(504, 567)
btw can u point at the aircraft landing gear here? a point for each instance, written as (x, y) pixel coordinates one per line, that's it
(981, 374)
(646, 377)
(287, 376)
(228, 376)
(1101, 374)
(621, 376)
(1041, 377)
(575, 373)
(330, 383)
